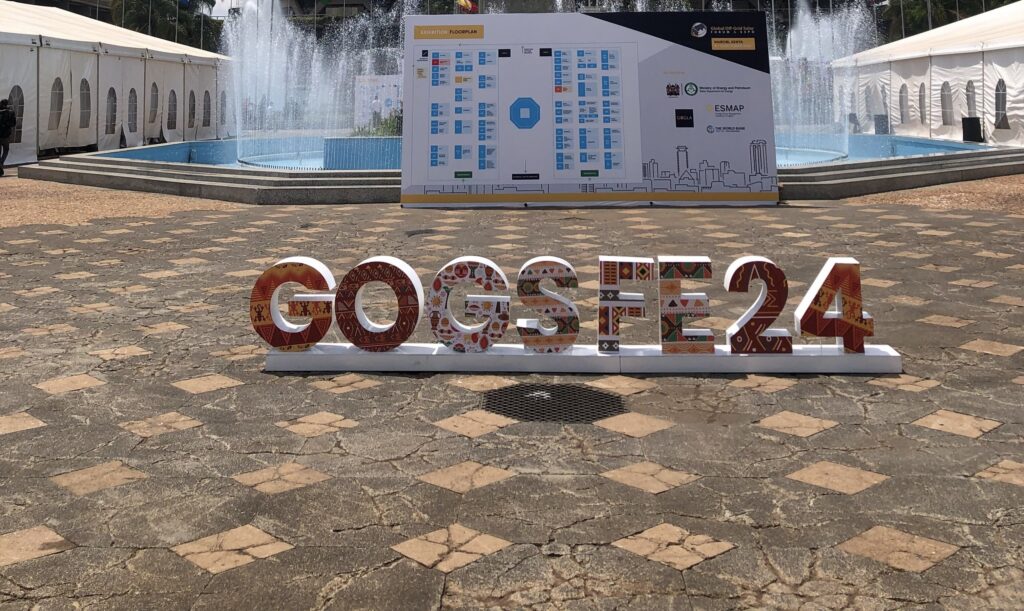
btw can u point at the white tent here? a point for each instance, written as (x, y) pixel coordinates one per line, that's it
(928, 82)
(77, 82)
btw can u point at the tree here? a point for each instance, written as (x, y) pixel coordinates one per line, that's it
(194, 26)
(915, 14)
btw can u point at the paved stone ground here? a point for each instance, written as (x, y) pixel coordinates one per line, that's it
(148, 462)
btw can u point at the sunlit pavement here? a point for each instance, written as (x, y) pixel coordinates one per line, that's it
(148, 461)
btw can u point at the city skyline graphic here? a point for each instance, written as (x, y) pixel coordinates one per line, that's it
(706, 177)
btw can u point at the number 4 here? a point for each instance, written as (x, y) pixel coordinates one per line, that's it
(838, 282)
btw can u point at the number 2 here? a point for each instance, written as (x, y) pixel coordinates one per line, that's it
(750, 333)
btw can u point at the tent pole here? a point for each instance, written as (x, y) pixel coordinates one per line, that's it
(984, 97)
(39, 130)
(903, 25)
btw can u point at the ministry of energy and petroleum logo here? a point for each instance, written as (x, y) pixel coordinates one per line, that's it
(672, 89)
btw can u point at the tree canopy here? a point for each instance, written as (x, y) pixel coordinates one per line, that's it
(194, 26)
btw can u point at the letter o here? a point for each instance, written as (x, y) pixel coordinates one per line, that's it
(266, 316)
(460, 337)
(348, 304)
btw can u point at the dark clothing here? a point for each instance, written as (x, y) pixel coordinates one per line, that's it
(8, 121)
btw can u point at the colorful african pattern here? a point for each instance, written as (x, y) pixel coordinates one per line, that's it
(452, 333)
(613, 304)
(748, 334)
(266, 318)
(560, 310)
(348, 310)
(838, 279)
(676, 307)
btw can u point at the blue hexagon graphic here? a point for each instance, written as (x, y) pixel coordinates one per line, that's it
(524, 113)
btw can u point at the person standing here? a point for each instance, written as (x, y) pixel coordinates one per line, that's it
(375, 111)
(8, 121)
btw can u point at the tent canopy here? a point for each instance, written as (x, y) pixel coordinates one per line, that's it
(20, 22)
(999, 28)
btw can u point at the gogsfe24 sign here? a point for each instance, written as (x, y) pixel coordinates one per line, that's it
(832, 308)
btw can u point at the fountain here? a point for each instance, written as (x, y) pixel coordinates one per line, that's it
(811, 99)
(295, 95)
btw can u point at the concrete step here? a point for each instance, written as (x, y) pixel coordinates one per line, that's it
(250, 178)
(852, 187)
(93, 158)
(210, 189)
(875, 171)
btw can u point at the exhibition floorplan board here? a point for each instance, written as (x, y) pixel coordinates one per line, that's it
(600, 108)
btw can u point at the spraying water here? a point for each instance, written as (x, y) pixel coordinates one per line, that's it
(812, 102)
(291, 90)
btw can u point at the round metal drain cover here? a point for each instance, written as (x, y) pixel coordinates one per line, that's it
(552, 403)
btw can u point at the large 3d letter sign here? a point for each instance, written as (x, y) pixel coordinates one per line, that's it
(561, 310)
(831, 308)
(348, 305)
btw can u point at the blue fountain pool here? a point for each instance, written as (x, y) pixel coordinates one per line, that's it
(374, 153)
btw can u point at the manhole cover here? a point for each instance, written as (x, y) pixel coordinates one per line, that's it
(552, 403)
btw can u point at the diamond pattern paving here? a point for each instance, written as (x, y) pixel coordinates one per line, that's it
(840, 478)
(622, 385)
(450, 548)
(650, 477)
(100, 477)
(673, 546)
(30, 543)
(466, 476)
(231, 549)
(800, 425)
(345, 383)
(475, 423)
(57, 386)
(317, 424)
(207, 383)
(140, 410)
(957, 423)
(634, 424)
(19, 422)
(1009, 471)
(158, 425)
(899, 549)
(282, 478)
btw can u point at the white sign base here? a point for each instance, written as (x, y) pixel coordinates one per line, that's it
(511, 358)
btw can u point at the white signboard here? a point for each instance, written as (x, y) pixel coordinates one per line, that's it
(378, 96)
(670, 108)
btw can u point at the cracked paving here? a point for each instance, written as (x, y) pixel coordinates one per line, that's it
(148, 461)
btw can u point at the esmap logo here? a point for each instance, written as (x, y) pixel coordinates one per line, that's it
(726, 111)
